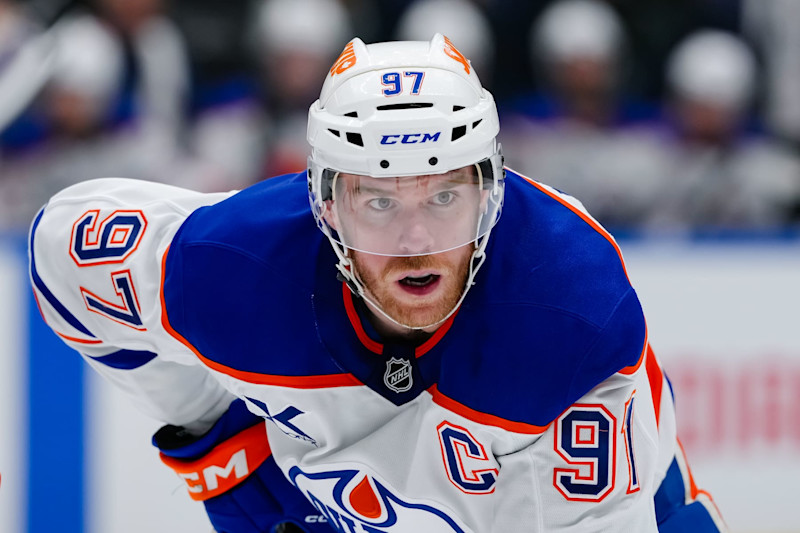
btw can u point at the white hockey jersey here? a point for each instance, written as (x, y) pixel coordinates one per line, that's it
(538, 407)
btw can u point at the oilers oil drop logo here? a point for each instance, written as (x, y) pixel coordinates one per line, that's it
(354, 502)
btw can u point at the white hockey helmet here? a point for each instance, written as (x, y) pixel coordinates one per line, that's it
(403, 109)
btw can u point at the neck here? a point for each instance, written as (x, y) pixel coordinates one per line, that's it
(391, 331)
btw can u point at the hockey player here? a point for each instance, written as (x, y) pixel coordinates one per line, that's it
(378, 364)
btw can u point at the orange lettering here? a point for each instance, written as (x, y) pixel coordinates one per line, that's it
(345, 61)
(453, 52)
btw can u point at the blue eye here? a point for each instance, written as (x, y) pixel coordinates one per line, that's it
(380, 204)
(443, 198)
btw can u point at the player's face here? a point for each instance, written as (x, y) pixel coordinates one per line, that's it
(411, 238)
(407, 216)
(419, 290)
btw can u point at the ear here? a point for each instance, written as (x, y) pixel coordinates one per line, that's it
(329, 216)
(484, 207)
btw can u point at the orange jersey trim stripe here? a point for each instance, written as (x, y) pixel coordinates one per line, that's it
(656, 377)
(628, 370)
(75, 339)
(297, 382)
(483, 418)
(693, 491)
(694, 494)
(586, 218)
(355, 321)
(426, 346)
(375, 346)
(62, 335)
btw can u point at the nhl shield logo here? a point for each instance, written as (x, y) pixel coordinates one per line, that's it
(398, 375)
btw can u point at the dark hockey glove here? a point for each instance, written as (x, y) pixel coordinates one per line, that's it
(231, 470)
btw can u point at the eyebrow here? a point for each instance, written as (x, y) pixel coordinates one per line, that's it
(378, 191)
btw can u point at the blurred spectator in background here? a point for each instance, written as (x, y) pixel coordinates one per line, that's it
(721, 172)
(25, 59)
(580, 134)
(15, 28)
(157, 75)
(579, 51)
(775, 26)
(462, 21)
(295, 43)
(85, 80)
(213, 96)
(75, 105)
(216, 150)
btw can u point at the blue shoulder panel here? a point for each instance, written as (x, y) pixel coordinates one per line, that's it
(239, 280)
(552, 314)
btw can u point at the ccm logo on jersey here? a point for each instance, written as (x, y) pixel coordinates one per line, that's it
(354, 502)
(225, 466)
(410, 138)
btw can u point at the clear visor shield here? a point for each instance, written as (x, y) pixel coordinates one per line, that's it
(412, 215)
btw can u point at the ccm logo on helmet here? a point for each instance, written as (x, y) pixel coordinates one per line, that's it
(411, 138)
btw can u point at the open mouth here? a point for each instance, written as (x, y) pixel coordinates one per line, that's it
(422, 281)
(420, 285)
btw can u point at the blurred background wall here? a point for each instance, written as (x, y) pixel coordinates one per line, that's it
(676, 122)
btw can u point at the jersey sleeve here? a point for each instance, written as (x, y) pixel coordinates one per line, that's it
(95, 255)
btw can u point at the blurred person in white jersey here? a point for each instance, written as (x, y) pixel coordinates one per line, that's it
(293, 41)
(377, 362)
(74, 110)
(463, 21)
(287, 43)
(721, 172)
(157, 97)
(772, 26)
(159, 72)
(580, 132)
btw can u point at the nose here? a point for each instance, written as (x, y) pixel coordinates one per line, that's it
(416, 237)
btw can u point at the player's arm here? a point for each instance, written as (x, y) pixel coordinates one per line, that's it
(95, 253)
(96, 257)
(230, 469)
(680, 506)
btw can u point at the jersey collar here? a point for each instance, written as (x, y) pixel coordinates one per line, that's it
(361, 327)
